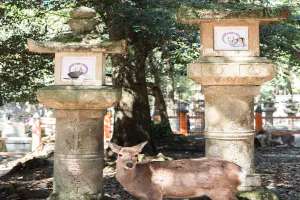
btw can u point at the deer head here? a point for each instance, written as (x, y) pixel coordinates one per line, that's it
(127, 156)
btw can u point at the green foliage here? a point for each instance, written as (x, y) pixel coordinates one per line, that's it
(281, 42)
(23, 72)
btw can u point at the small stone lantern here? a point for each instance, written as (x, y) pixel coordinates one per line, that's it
(291, 109)
(230, 72)
(269, 109)
(80, 99)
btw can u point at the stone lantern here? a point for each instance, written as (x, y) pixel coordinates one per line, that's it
(291, 109)
(80, 99)
(269, 109)
(231, 72)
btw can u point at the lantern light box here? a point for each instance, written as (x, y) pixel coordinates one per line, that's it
(231, 38)
(79, 69)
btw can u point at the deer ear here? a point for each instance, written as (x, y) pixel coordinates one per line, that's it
(115, 148)
(140, 147)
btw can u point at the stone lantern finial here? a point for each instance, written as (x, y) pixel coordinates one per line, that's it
(82, 20)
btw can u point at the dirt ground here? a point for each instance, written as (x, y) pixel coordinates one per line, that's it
(32, 176)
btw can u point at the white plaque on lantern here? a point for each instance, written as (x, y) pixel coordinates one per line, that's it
(83, 65)
(231, 38)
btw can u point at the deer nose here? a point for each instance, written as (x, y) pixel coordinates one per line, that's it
(130, 165)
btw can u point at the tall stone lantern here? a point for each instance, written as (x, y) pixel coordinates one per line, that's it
(230, 71)
(80, 99)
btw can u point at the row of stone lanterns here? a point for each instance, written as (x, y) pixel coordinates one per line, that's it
(291, 109)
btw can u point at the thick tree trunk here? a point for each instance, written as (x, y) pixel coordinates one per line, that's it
(132, 121)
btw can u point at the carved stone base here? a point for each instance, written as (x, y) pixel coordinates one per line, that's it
(258, 194)
(78, 160)
(57, 196)
(231, 70)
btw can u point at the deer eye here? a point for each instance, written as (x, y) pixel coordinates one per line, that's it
(120, 155)
(135, 155)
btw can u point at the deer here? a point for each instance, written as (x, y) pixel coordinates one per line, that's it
(186, 178)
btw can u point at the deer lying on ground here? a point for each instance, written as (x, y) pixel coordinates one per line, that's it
(187, 178)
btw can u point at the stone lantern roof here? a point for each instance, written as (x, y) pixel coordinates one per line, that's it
(212, 12)
(83, 45)
(81, 38)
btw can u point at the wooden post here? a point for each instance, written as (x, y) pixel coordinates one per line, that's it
(183, 123)
(107, 128)
(36, 134)
(258, 118)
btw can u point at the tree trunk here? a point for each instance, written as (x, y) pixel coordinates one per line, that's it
(132, 120)
(170, 89)
(289, 85)
(159, 97)
(161, 105)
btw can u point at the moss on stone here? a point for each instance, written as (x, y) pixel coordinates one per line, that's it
(67, 38)
(80, 44)
(257, 195)
(229, 11)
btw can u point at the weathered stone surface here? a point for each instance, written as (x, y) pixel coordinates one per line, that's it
(260, 194)
(210, 12)
(78, 161)
(236, 147)
(82, 26)
(83, 12)
(231, 71)
(83, 20)
(108, 47)
(229, 126)
(79, 97)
